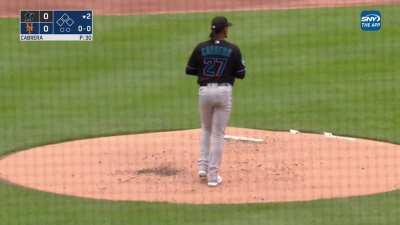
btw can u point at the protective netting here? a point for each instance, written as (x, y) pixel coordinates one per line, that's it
(110, 129)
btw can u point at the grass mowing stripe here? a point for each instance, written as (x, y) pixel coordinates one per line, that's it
(29, 207)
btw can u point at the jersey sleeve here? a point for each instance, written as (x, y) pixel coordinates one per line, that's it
(193, 66)
(239, 67)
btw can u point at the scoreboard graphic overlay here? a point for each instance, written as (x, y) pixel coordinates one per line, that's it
(56, 25)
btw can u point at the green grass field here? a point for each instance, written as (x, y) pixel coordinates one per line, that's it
(312, 70)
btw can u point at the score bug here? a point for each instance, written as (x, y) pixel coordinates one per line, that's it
(56, 25)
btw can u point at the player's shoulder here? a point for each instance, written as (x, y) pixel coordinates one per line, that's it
(201, 45)
(231, 45)
(204, 43)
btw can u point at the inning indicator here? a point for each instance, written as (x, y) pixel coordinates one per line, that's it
(56, 25)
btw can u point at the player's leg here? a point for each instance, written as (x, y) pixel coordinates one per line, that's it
(206, 111)
(219, 123)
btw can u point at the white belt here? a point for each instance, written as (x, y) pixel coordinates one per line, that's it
(218, 84)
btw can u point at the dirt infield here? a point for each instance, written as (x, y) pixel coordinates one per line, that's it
(162, 167)
(137, 7)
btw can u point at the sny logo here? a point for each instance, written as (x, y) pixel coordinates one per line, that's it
(371, 20)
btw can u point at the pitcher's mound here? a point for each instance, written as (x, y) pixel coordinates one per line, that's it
(162, 167)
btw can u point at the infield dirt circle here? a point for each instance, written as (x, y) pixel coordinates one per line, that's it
(162, 167)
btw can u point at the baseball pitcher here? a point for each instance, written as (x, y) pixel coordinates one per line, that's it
(216, 63)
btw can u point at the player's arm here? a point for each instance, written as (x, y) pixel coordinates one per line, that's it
(240, 68)
(193, 66)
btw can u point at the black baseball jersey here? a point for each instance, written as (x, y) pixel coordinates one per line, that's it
(216, 62)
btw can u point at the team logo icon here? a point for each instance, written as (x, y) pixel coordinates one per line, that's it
(29, 17)
(29, 28)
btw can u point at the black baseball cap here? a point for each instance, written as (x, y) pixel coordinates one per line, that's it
(219, 23)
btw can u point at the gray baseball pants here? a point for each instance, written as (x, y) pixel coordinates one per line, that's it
(215, 103)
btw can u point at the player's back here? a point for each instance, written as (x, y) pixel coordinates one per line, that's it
(216, 61)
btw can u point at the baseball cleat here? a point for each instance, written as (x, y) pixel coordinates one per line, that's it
(202, 173)
(214, 183)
